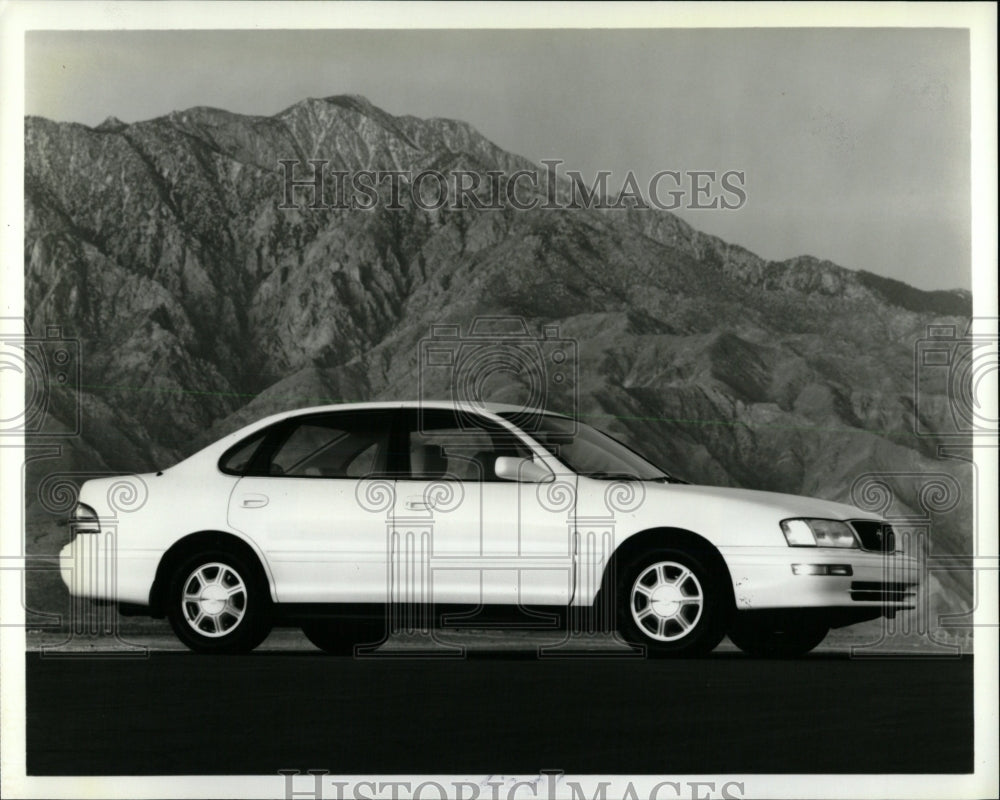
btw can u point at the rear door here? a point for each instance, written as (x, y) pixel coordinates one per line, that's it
(316, 500)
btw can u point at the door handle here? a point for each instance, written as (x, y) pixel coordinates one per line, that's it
(417, 504)
(254, 500)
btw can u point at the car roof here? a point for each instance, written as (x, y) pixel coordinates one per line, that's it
(493, 408)
(214, 450)
(225, 442)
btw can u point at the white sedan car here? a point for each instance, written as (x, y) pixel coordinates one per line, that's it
(342, 519)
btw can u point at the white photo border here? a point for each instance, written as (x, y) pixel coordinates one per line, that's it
(21, 16)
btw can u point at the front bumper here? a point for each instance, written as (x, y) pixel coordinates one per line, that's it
(763, 578)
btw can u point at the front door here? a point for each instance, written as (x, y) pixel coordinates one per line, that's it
(461, 535)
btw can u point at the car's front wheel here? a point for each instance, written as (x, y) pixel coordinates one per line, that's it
(776, 639)
(672, 602)
(218, 603)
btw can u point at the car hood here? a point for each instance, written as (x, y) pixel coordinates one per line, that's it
(786, 505)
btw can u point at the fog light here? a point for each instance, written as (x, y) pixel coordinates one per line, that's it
(822, 569)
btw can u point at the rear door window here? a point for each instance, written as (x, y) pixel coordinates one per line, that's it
(333, 446)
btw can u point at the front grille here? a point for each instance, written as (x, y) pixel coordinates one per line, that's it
(883, 591)
(876, 536)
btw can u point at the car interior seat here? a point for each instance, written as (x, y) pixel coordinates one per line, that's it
(485, 463)
(428, 461)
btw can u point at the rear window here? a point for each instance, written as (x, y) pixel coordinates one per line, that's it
(335, 446)
(238, 457)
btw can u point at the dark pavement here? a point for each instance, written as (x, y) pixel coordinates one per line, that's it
(178, 713)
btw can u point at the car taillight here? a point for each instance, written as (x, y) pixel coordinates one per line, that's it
(84, 519)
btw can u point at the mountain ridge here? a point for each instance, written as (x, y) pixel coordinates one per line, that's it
(361, 106)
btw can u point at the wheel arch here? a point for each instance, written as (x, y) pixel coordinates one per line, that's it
(661, 537)
(193, 543)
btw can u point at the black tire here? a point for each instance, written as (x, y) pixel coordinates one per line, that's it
(690, 592)
(227, 582)
(339, 637)
(776, 640)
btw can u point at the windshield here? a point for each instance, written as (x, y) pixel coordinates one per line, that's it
(586, 450)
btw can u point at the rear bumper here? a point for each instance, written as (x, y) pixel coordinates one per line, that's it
(763, 577)
(91, 566)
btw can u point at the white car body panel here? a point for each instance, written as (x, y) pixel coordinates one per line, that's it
(335, 551)
(481, 543)
(501, 543)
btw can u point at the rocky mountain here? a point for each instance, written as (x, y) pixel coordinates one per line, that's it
(200, 304)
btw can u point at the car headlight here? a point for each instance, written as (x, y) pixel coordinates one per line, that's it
(818, 533)
(84, 519)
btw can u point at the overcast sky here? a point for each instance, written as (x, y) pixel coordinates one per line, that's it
(855, 142)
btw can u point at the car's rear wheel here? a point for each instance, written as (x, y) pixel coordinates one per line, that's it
(217, 602)
(673, 602)
(775, 639)
(340, 637)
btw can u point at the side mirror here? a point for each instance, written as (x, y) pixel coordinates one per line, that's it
(523, 470)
